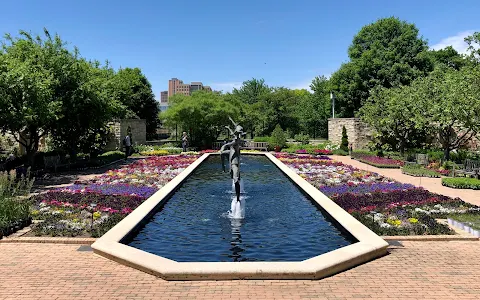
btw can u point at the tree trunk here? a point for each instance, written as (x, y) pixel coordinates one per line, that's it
(446, 154)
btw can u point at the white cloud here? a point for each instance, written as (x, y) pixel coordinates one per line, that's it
(305, 85)
(225, 86)
(457, 42)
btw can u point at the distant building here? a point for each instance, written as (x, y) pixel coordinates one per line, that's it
(172, 86)
(176, 86)
(164, 97)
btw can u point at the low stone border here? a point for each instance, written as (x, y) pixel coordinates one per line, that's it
(424, 238)
(49, 240)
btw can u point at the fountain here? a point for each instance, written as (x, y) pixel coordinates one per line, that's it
(237, 207)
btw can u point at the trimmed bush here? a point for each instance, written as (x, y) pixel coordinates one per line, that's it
(260, 139)
(419, 171)
(462, 183)
(344, 144)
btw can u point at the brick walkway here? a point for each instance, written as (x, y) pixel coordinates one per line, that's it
(418, 270)
(432, 184)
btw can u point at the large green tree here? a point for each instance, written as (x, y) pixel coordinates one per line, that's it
(27, 107)
(386, 53)
(248, 98)
(394, 114)
(203, 115)
(314, 109)
(450, 105)
(131, 88)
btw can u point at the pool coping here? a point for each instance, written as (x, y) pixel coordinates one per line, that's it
(368, 247)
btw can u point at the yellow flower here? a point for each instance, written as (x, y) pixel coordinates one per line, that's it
(75, 220)
(412, 220)
(35, 212)
(97, 215)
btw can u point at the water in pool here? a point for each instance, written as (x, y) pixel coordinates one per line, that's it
(280, 224)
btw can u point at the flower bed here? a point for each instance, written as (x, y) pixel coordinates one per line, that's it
(381, 162)
(462, 183)
(69, 211)
(385, 206)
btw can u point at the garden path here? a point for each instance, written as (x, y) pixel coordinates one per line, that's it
(432, 184)
(412, 270)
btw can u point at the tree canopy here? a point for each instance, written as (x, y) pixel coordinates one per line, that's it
(386, 53)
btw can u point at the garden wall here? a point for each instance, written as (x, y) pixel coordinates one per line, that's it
(359, 134)
(120, 128)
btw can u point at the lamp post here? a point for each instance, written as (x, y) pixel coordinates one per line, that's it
(332, 96)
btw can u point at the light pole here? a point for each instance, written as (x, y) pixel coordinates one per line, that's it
(332, 96)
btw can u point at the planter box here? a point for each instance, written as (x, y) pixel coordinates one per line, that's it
(464, 227)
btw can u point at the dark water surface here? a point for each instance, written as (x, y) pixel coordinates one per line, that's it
(281, 223)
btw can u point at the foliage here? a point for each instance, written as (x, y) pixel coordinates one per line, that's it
(130, 87)
(470, 219)
(391, 113)
(278, 138)
(302, 138)
(313, 110)
(462, 183)
(386, 53)
(26, 91)
(14, 210)
(344, 143)
(261, 139)
(203, 115)
(450, 106)
(419, 171)
(340, 152)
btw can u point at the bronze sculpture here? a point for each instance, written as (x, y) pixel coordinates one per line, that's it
(234, 155)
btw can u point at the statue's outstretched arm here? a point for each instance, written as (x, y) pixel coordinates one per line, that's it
(229, 129)
(234, 124)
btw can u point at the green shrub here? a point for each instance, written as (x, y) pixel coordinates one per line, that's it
(261, 139)
(278, 138)
(13, 209)
(344, 144)
(340, 152)
(462, 183)
(302, 138)
(419, 171)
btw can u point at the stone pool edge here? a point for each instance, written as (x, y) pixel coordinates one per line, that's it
(368, 247)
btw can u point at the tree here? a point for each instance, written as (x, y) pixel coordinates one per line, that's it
(450, 105)
(247, 98)
(278, 138)
(26, 89)
(387, 53)
(203, 115)
(344, 143)
(131, 88)
(395, 116)
(314, 109)
(448, 57)
(278, 107)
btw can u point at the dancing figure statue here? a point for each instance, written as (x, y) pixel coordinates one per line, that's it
(234, 155)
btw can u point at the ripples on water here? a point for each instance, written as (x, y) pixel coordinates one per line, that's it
(281, 223)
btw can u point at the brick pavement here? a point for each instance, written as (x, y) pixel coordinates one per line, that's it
(432, 184)
(418, 270)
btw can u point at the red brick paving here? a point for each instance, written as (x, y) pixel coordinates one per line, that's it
(419, 270)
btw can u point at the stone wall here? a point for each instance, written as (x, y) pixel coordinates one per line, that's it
(120, 128)
(359, 134)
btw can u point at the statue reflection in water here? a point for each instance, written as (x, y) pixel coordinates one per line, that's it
(236, 240)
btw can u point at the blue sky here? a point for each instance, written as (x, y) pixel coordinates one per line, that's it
(223, 43)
